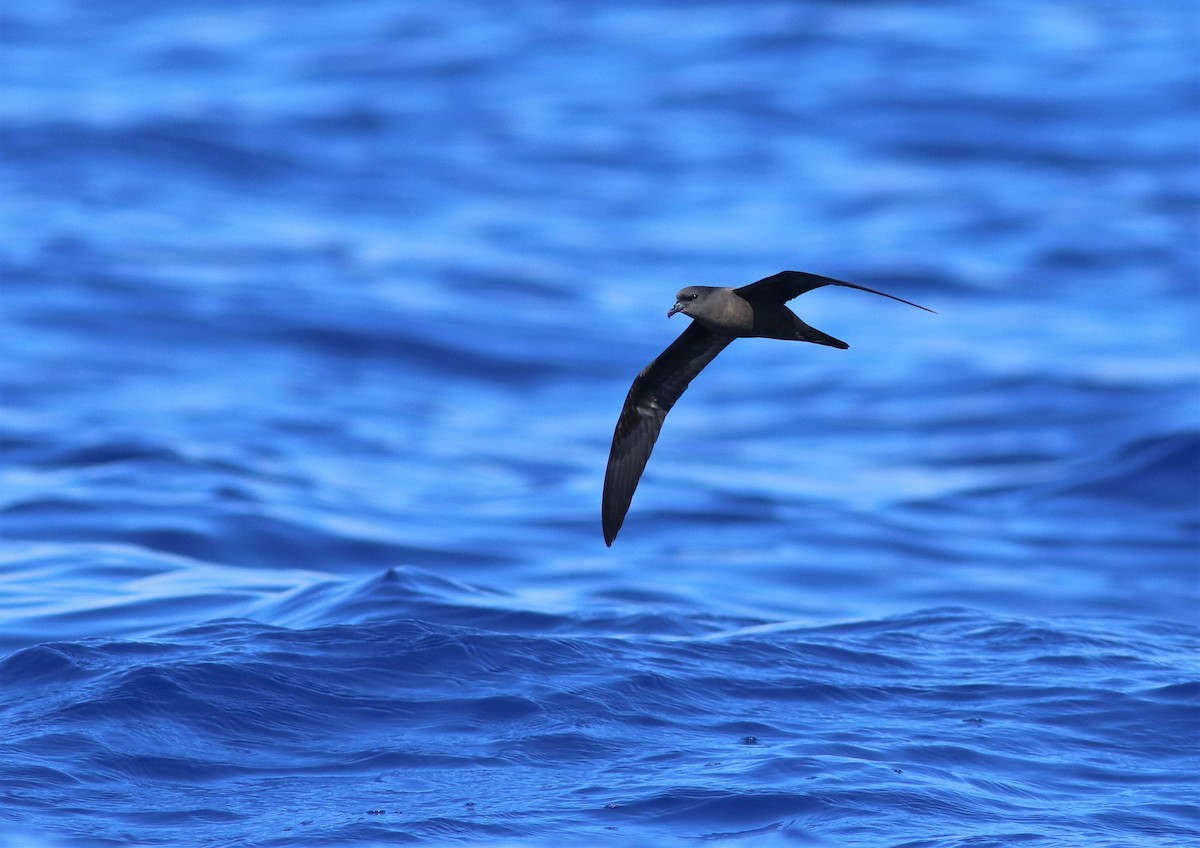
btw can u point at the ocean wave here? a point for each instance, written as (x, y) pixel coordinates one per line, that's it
(886, 729)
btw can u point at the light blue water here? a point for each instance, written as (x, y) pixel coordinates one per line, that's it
(316, 319)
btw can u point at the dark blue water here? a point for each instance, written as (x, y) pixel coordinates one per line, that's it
(315, 320)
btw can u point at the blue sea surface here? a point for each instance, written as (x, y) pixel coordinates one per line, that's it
(315, 321)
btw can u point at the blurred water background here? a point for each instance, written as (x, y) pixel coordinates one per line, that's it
(315, 320)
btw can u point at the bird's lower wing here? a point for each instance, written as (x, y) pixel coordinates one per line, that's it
(650, 398)
(782, 287)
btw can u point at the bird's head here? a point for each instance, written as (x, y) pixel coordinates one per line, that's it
(690, 301)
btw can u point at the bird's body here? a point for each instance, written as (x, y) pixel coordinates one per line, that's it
(719, 315)
(732, 312)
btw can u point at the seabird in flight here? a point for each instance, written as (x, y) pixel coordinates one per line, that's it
(719, 315)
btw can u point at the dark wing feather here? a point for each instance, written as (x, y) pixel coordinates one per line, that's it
(782, 287)
(650, 398)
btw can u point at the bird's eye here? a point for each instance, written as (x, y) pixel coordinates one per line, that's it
(692, 296)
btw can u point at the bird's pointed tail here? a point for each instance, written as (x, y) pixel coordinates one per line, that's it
(805, 333)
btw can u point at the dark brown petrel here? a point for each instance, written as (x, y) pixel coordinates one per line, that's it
(719, 315)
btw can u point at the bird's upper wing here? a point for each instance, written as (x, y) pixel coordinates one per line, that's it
(650, 398)
(782, 287)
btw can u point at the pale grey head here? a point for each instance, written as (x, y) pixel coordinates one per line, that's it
(691, 300)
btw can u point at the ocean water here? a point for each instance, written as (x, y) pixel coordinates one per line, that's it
(315, 321)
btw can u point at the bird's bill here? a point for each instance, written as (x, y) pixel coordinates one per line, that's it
(678, 307)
